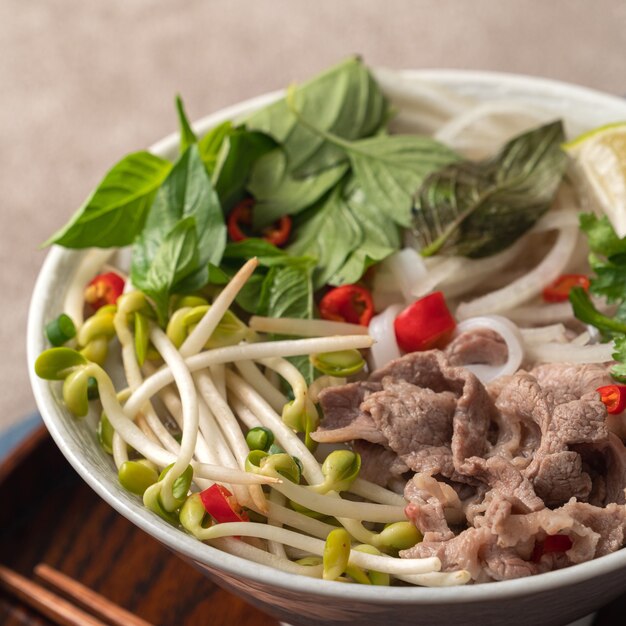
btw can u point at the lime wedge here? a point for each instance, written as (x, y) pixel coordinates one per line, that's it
(600, 167)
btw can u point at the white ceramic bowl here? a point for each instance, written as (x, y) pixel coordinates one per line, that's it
(553, 598)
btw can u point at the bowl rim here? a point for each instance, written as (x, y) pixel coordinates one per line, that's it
(239, 567)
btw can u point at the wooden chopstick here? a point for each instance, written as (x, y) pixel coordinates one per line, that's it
(49, 604)
(88, 598)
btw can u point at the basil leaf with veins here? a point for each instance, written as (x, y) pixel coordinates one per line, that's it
(116, 210)
(389, 168)
(187, 192)
(344, 100)
(173, 261)
(476, 209)
(329, 236)
(277, 193)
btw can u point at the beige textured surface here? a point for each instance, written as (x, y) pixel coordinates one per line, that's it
(82, 83)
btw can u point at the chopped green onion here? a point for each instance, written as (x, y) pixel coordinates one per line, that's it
(60, 330)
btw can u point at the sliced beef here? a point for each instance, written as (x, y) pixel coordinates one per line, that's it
(379, 465)
(343, 419)
(432, 506)
(504, 544)
(525, 407)
(605, 462)
(569, 381)
(560, 477)
(497, 469)
(411, 417)
(431, 415)
(477, 346)
(503, 477)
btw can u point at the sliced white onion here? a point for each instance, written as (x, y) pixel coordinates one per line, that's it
(438, 275)
(381, 330)
(469, 273)
(529, 285)
(510, 334)
(407, 269)
(484, 128)
(582, 340)
(570, 353)
(556, 219)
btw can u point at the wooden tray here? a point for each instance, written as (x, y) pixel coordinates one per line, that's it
(48, 514)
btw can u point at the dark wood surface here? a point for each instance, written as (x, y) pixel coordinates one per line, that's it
(48, 514)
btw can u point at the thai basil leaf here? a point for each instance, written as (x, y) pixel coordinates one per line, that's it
(210, 144)
(173, 260)
(381, 237)
(268, 255)
(187, 136)
(287, 291)
(251, 247)
(329, 235)
(240, 150)
(478, 209)
(187, 192)
(115, 212)
(344, 100)
(389, 168)
(277, 192)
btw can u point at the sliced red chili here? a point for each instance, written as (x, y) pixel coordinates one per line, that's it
(614, 397)
(240, 222)
(221, 505)
(425, 324)
(348, 303)
(559, 290)
(104, 289)
(551, 544)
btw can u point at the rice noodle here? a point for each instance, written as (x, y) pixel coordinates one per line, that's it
(529, 285)
(553, 332)
(570, 353)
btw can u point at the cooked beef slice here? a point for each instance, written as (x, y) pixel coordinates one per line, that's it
(430, 414)
(531, 452)
(560, 476)
(503, 477)
(502, 543)
(477, 346)
(432, 506)
(605, 462)
(379, 465)
(569, 381)
(343, 419)
(410, 417)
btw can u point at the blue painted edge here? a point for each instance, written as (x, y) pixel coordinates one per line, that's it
(17, 433)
